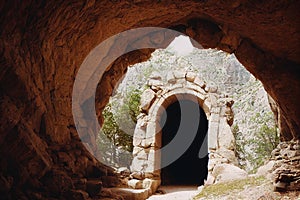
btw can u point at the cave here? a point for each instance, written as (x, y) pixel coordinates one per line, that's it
(188, 169)
(44, 43)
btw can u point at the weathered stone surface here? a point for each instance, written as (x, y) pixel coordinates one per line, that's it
(138, 175)
(151, 184)
(225, 136)
(77, 194)
(58, 182)
(266, 169)
(213, 131)
(139, 133)
(179, 74)
(190, 76)
(171, 78)
(135, 184)
(136, 150)
(228, 111)
(199, 82)
(93, 187)
(155, 83)
(111, 193)
(213, 89)
(137, 165)
(155, 76)
(227, 172)
(210, 179)
(229, 154)
(146, 99)
(6, 183)
(286, 169)
(220, 138)
(110, 181)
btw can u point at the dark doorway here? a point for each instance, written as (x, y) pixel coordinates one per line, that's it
(189, 169)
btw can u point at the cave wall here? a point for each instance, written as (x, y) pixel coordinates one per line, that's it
(43, 43)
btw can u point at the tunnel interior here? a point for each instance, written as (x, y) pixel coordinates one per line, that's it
(189, 169)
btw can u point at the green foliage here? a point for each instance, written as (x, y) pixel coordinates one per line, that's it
(115, 137)
(265, 142)
(240, 144)
(114, 144)
(126, 114)
(265, 139)
(133, 103)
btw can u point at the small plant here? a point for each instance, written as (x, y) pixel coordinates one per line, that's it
(216, 190)
(240, 143)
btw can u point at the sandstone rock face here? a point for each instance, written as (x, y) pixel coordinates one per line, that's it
(43, 44)
(146, 99)
(286, 170)
(266, 169)
(227, 172)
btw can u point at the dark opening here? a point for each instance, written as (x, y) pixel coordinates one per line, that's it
(189, 169)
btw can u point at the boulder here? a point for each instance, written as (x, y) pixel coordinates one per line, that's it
(266, 169)
(228, 172)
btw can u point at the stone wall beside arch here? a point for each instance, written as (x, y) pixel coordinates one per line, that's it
(163, 91)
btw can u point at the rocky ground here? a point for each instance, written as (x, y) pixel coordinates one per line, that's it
(252, 188)
(175, 192)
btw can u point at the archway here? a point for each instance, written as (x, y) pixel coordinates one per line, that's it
(174, 159)
(189, 168)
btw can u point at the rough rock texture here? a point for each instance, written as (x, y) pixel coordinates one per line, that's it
(227, 172)
(43, 43)
(286, 170)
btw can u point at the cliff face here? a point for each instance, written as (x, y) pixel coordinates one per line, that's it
(43, 44)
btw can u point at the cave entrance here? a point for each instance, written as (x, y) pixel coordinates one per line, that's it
(189, 169)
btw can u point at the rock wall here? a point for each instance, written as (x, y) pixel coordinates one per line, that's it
(286, 169)
(42, 45)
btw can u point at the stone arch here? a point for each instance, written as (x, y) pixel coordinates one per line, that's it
(164, 91)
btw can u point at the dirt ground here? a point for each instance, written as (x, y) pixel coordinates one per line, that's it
(262, 192)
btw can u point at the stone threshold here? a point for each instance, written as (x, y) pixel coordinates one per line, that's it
(127, 193)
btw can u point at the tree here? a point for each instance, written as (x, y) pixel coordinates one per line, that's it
(127, 112)
(265, 142)
(240, 143)
(115, 144)
(257, 149)
(116, 135)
